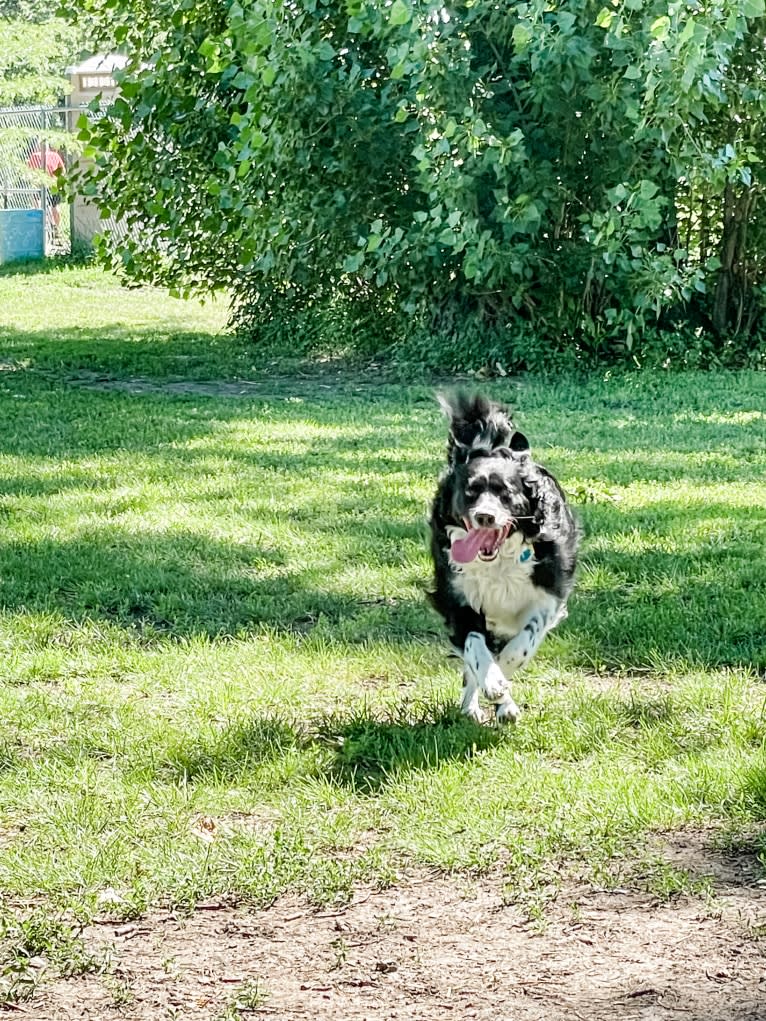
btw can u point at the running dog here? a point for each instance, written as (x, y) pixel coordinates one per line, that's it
(504, 547)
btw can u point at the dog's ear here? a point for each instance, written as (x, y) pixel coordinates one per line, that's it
(549, 500)
(475, 424)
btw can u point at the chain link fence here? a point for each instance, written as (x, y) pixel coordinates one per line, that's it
(36, 144)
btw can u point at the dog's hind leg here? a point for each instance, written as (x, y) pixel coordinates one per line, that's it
(482, 675)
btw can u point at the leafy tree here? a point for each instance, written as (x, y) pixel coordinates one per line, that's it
(578, 171)
(33, 58)
(25, 10)
(35, 50)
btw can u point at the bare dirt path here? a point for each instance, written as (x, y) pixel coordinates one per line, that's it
(436, 948)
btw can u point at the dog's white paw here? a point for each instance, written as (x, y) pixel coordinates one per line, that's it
(469, 702)
(495, 686)
(474, 713)
(507, 712)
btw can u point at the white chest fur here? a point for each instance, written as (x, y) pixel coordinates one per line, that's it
(502, 589)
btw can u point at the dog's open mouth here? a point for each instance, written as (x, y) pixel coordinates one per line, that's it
(483, 543)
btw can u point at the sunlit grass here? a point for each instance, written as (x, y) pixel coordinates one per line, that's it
(218, 669)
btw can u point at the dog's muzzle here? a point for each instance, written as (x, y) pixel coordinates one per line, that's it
(483, 543)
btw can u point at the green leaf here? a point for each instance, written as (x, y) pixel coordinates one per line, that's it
(471, 267)
(400, 13)
(660, 27)
(325, 50)
(208, 46)
(753, 8)
(604, 17)
(521, 35)
(648, 189)
(352, 263)
(688, 31)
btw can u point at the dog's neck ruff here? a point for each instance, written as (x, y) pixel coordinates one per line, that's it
(501, 589)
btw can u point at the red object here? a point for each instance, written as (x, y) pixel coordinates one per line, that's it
(53, 161)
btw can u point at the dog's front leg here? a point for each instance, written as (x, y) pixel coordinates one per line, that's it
(519, 650)
(482, 675)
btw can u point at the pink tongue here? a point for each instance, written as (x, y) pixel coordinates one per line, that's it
(464, 550)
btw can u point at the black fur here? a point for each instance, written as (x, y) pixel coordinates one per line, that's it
(485, 450)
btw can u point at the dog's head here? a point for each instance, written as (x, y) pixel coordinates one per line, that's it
(493, 487)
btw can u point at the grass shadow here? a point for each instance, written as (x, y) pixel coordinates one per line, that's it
(50, 264)
(361, 752)
(234, 752)
(369, 753)
(180, 584)
(678, 581)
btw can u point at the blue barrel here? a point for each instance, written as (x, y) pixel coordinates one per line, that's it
(22, 234)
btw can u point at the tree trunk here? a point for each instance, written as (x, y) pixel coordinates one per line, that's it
(731, 286)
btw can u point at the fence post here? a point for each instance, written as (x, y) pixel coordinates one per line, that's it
(43, 189)
(70, 126)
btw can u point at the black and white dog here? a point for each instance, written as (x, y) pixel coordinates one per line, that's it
(504, 546)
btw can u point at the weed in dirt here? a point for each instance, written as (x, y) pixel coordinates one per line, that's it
(387, 922)
(754, 926)
(37, 941)
(120, 991)
(667, 882)
(248, 997)
(340, 953)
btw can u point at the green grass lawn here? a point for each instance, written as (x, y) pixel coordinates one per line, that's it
(219, 673)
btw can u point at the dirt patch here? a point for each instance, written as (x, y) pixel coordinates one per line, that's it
(272, 387)
(316, 381)
(432, 948)
(200, 388)
(704, 856)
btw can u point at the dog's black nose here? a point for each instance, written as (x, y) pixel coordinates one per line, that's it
(484, 520)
